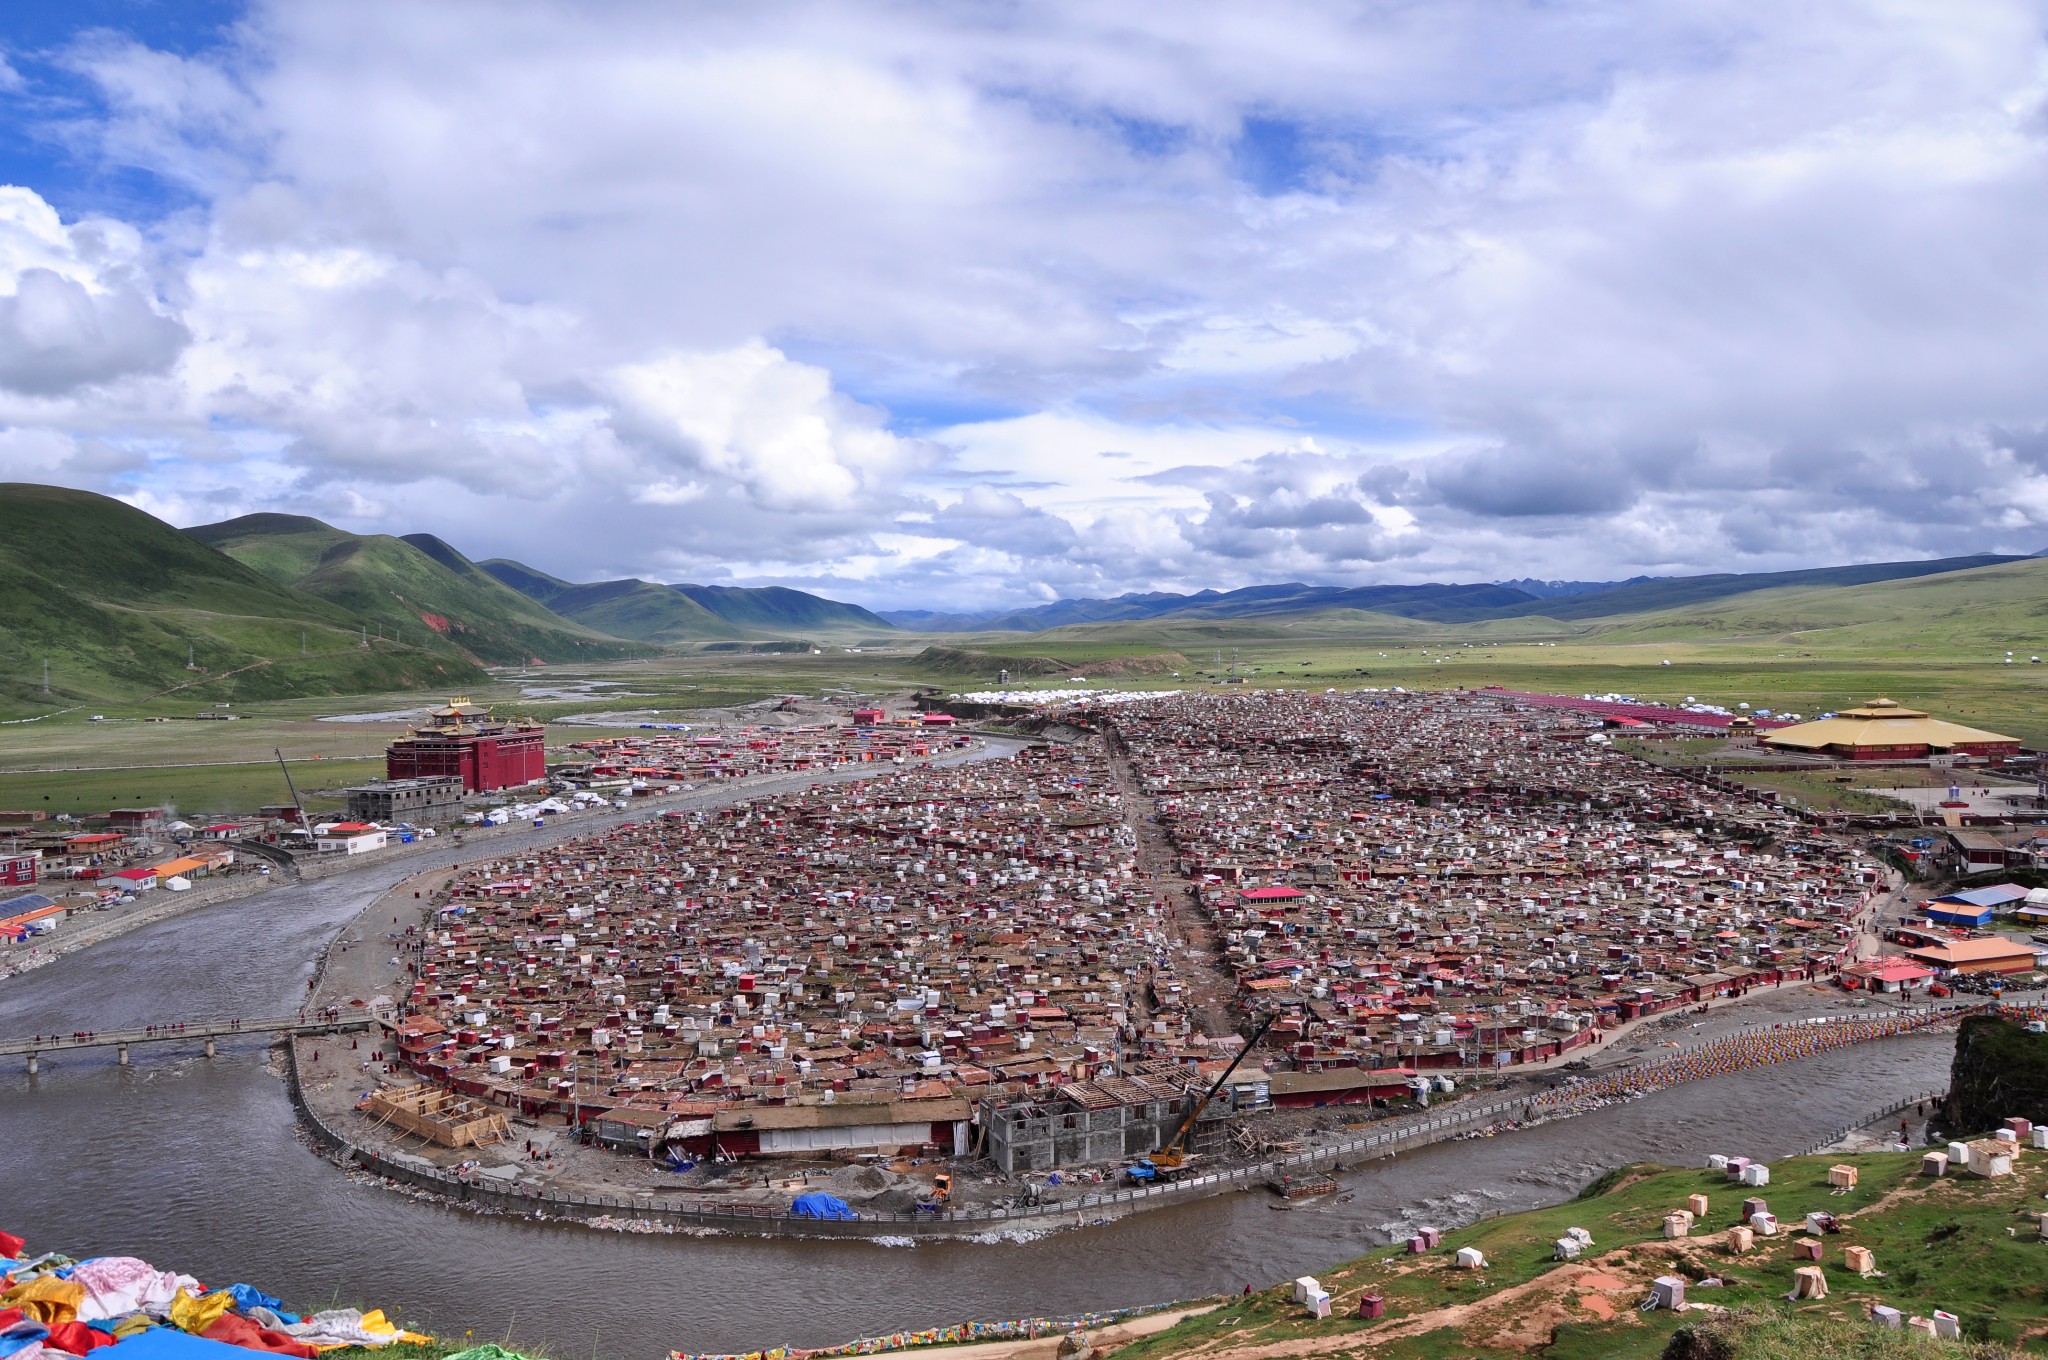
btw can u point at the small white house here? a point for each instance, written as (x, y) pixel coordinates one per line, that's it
(351, 838)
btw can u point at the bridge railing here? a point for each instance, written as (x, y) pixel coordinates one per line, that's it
(176, 1031)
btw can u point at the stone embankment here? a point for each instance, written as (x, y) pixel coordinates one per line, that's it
(650, 1213)
(1478, 1117)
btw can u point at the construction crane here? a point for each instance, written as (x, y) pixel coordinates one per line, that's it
(1175, 1152)
(296, 801)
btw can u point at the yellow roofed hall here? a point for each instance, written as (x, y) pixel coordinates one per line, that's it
(1885, 729)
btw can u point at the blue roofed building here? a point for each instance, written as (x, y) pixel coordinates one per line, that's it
(1974, 907)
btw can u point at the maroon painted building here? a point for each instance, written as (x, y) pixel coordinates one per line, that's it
(465, 742)
(17, 871)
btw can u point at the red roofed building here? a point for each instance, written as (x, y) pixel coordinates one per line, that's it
(463, 741)
(351, 838)
(1889, 975)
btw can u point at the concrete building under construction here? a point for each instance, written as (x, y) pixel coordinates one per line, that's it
(430, 801)
(465, 742)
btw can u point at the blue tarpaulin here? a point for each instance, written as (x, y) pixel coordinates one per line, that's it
(168, 1343)
(820, 1205)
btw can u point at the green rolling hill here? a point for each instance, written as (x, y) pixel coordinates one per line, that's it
(116, 601)
(411, 587)
(1978, 612)
(642, 610)
(778, 609)
(1676, 592)
(651, 612)
(535, 585)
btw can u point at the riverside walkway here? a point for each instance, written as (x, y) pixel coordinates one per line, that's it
(178, 1031)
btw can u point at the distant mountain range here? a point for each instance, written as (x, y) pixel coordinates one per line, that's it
(1432, 603)
(505, 612)
(121, 605)
(648, 612)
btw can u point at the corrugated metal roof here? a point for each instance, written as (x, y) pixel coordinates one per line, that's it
(1995, 896)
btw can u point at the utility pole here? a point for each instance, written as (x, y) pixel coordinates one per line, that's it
(302, 642)
(46, 675)
(296, 802)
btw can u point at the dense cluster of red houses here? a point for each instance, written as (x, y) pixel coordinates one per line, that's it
(831, 969)
(1412, 881)
(1441, 879)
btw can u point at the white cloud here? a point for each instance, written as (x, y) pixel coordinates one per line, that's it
(774, 427)
(1336, 292)
(74, 304)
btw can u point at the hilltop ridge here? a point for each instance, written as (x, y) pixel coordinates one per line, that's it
(417, 583)
(119, 604)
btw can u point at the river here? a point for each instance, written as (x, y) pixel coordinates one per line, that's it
(195, 1165)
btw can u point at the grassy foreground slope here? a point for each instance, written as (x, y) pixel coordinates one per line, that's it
(116, 601)
(415, 587)
(1940, 1243)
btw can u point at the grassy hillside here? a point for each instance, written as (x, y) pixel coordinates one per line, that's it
(408, 587)
(116, 600)
(1678, 591)
(643, 610)
(650, 612)
(534, 585)
(1941, 1243)
(776, 609)
(1973, 613)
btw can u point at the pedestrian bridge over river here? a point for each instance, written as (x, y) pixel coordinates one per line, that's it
(179, 1032)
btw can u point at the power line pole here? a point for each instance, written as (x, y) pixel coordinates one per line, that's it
(296, 801)
(46, 675)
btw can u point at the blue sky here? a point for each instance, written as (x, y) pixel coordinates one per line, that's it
(951, 306)
(38, 147)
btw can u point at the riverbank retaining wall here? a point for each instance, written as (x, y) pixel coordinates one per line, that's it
(1387, 1138)
(1400, 1135)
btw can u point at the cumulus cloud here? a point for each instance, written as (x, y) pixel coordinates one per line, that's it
(774, 427)
(948, 306)
(74, 305)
